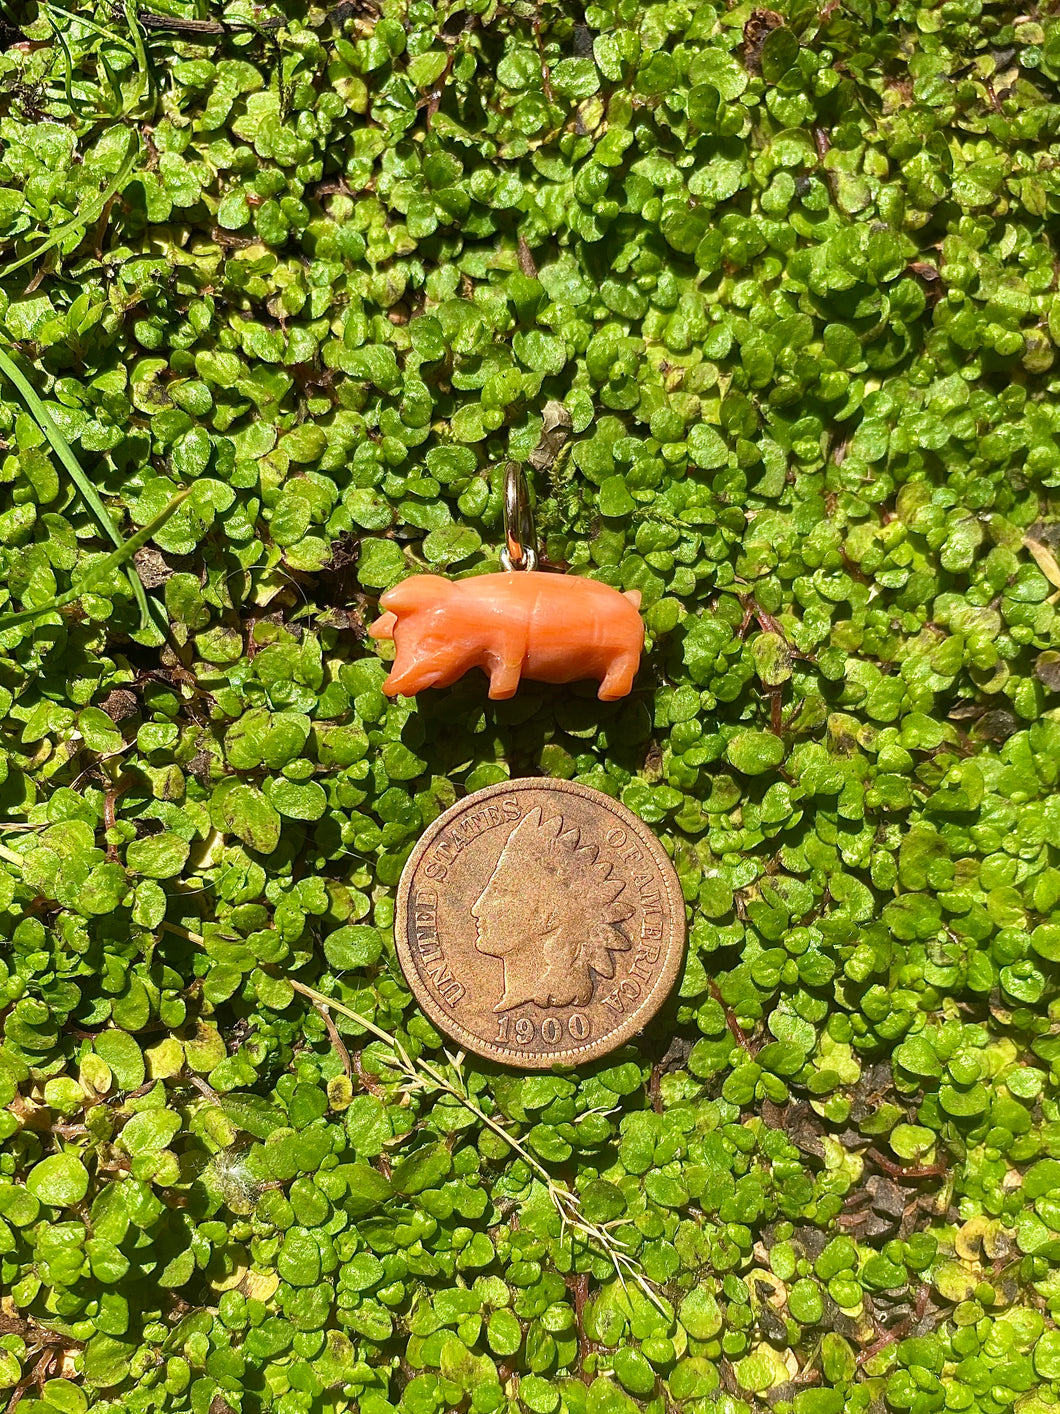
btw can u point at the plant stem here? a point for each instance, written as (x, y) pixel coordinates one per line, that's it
(566, 1202)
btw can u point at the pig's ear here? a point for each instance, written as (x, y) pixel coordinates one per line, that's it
(633, 595)
(416, 592)
(383, 626)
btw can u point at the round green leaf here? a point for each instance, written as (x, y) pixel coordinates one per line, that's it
(60, 1180)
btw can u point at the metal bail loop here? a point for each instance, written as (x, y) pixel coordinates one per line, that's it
(520, 535)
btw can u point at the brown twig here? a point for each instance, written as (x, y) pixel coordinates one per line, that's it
(578, 1285)
(336, 1040)
(894, 1335)
(150, 20)
(53, 1345)
(204, 1089)
(433, 101)
(110, 818)
(905, 1170)
(730, 1018)
(768, 624)
(776, 710)
(527, 263)
(654, 1088)
(372, 1086)
(35, 1376)
(546, 73)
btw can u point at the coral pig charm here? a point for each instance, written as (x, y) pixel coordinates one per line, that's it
(522, 623)
(548, 627)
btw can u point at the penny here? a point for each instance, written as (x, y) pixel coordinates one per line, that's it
(539, 921)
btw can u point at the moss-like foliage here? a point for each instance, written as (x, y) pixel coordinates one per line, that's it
(793, 273)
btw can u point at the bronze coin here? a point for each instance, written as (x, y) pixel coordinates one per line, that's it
(539, 921)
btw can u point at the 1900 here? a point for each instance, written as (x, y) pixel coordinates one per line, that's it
(523, 1031)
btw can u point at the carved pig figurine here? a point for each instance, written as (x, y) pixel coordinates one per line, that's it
(526, 623)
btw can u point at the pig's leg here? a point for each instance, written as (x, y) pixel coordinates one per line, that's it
(383, 626)
(504, 661)
(403, 683)
(504, 679)
(410, 674)
(619, 677)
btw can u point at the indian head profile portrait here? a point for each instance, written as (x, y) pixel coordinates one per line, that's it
(553, 912)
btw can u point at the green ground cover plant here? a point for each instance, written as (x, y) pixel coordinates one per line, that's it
(281, 290)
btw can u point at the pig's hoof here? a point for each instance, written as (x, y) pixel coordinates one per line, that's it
(504, 682)
(618, 680)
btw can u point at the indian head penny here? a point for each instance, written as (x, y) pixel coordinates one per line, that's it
(539, 921)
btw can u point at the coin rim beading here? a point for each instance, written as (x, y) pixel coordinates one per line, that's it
(498, 1050)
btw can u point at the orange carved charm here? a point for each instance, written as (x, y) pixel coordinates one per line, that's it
(548, 627)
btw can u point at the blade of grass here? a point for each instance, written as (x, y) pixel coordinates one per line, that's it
(62, 449)
(101, 568)
(146, 86)
(84, 218)
(68, 63)
(114, 107)
(60, 446)
(83, 20)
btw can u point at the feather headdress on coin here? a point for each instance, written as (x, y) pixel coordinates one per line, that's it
(573, 917)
